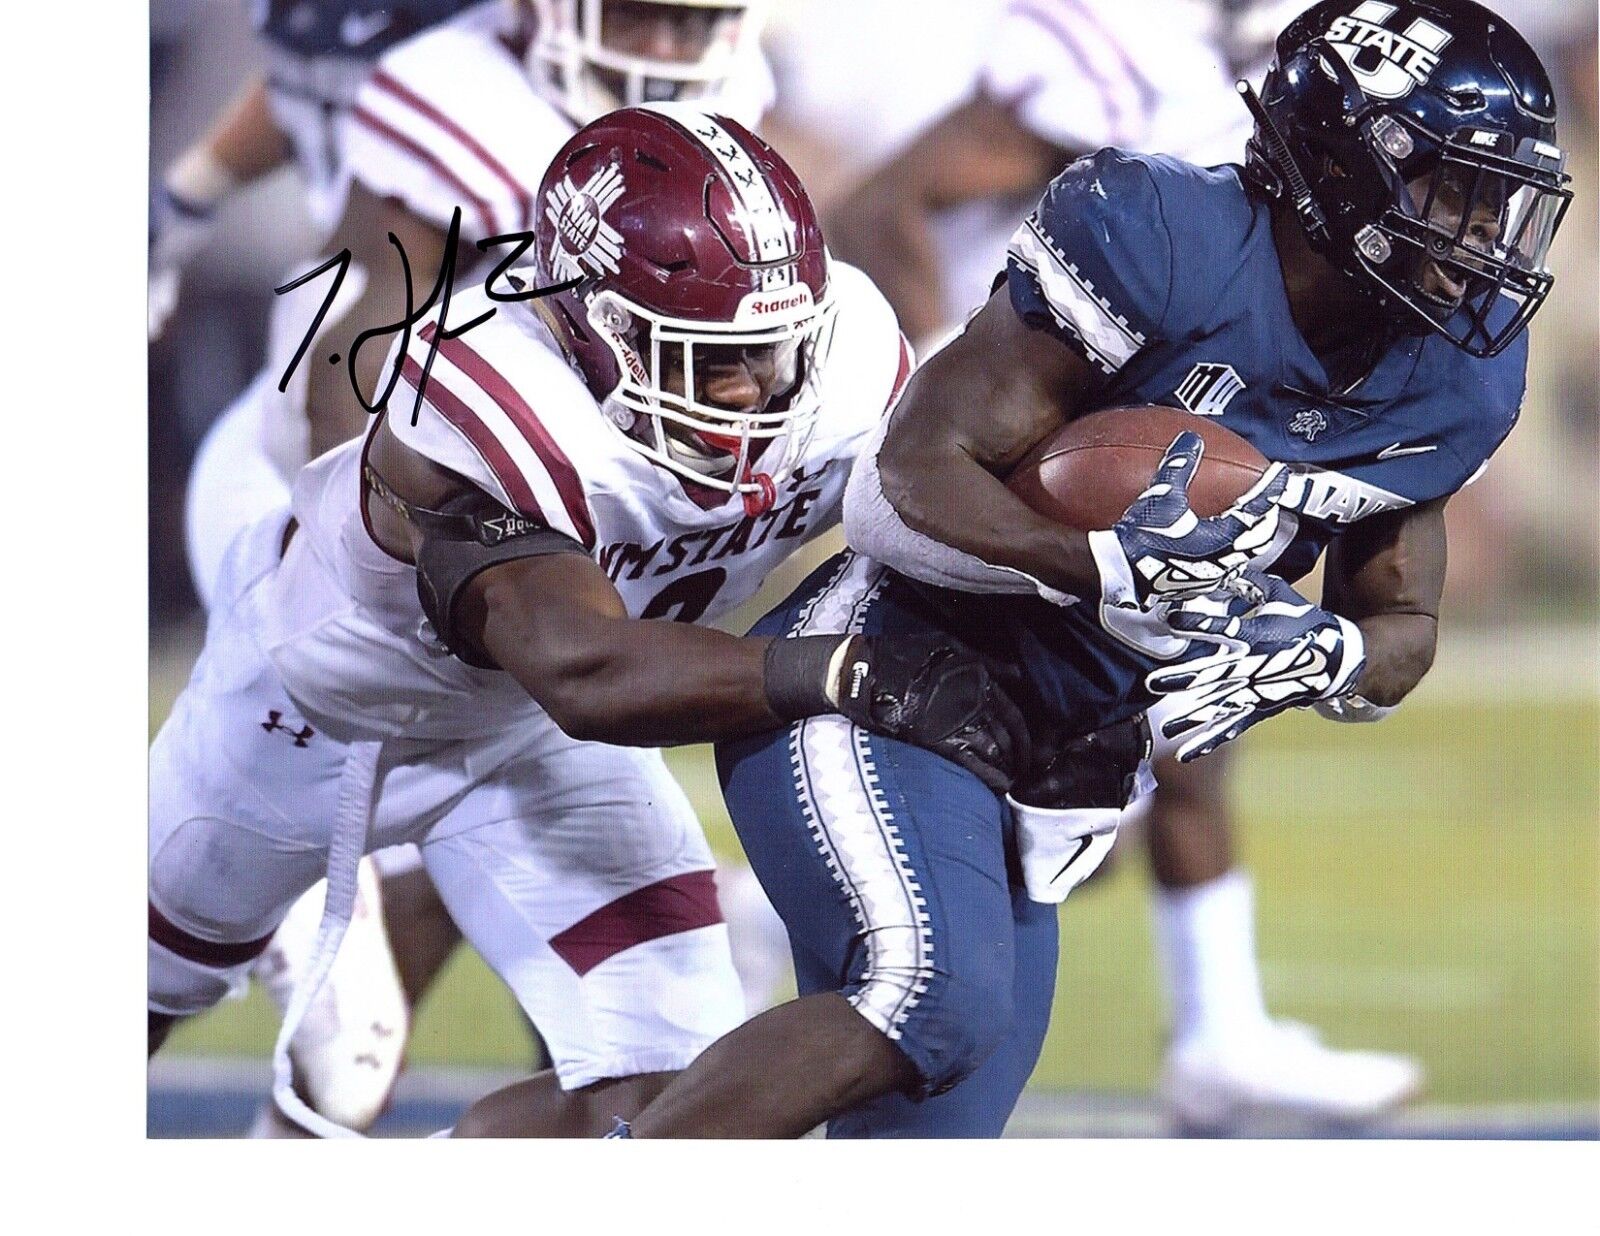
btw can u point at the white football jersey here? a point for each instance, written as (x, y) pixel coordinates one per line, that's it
(342, 622)
(452, 118)
(310, 96)
(1155, 76)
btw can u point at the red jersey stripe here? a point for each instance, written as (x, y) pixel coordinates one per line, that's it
(493, 383)
(418, 104)
(1148, 94)
(424, 155)
(678, 903)
(903, 373)
(479, 434)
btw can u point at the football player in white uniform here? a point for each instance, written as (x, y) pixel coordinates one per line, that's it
(1063, 78)
(447, 640)
(465, 116)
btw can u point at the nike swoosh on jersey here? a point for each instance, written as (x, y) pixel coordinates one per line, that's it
(1395, 450)
(356, 28)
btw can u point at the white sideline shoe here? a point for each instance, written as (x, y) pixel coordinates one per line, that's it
(1282, 1069)
(348, 1051)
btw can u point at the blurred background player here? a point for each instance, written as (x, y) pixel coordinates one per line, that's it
(394, 136)
(1060, 79)
(318, 54)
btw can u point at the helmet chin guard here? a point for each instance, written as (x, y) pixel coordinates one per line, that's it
(1416, 142)
(705, 442)
(697, 251)
(575, 53)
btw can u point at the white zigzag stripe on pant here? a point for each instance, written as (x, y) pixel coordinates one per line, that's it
(852, 825)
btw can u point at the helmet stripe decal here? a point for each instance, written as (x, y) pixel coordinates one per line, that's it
(771, 230)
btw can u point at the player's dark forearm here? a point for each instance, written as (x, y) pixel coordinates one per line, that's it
(943, 493)
(1400, 650)
(642, 683)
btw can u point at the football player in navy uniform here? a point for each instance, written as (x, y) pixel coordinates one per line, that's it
(931, 226)
(1356, 296)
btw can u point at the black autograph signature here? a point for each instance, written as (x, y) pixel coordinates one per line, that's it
(443, 287)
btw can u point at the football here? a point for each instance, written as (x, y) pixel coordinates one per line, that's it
(1088, 473)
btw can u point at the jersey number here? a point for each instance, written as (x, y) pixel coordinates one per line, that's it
(692, 595)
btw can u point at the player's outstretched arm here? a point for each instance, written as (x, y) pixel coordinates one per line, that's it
(554, 621)
(1387, 575)
(980, 149)
(242, 144)
(556, 624)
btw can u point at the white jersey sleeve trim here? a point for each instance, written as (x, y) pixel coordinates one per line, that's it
(1109, 339)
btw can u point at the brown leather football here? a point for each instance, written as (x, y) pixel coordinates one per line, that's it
(1089, 472)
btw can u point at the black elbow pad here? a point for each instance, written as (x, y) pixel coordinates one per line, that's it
(467, 535)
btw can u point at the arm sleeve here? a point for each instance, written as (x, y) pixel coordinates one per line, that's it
(873, 527)
(1092, 265)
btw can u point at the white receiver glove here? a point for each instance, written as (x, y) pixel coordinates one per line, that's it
(1160, 551)
(1283, 653)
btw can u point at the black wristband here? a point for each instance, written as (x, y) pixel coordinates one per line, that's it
(795, 675)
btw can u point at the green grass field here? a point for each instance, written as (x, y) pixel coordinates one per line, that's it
(1426, 886)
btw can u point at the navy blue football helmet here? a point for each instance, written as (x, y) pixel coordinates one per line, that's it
(349, 29)
(1416, 140)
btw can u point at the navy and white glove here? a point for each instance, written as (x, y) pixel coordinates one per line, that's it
(1283, 652)
(1160, 551)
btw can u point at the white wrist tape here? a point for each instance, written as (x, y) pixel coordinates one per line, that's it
(199, 178)
(1353, 709)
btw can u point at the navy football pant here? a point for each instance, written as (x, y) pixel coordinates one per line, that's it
(893, 871)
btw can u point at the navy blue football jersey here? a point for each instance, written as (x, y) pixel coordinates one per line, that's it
(1165, 277)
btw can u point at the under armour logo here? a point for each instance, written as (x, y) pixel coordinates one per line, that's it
(274, 722)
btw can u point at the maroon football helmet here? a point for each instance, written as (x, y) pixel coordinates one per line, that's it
(697, 246)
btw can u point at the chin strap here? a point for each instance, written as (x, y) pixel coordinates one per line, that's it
(759, 503)
(1288, 171)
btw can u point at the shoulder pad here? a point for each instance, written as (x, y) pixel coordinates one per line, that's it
(1093, 263)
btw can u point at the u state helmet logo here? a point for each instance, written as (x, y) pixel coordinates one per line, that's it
(1388, 65)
